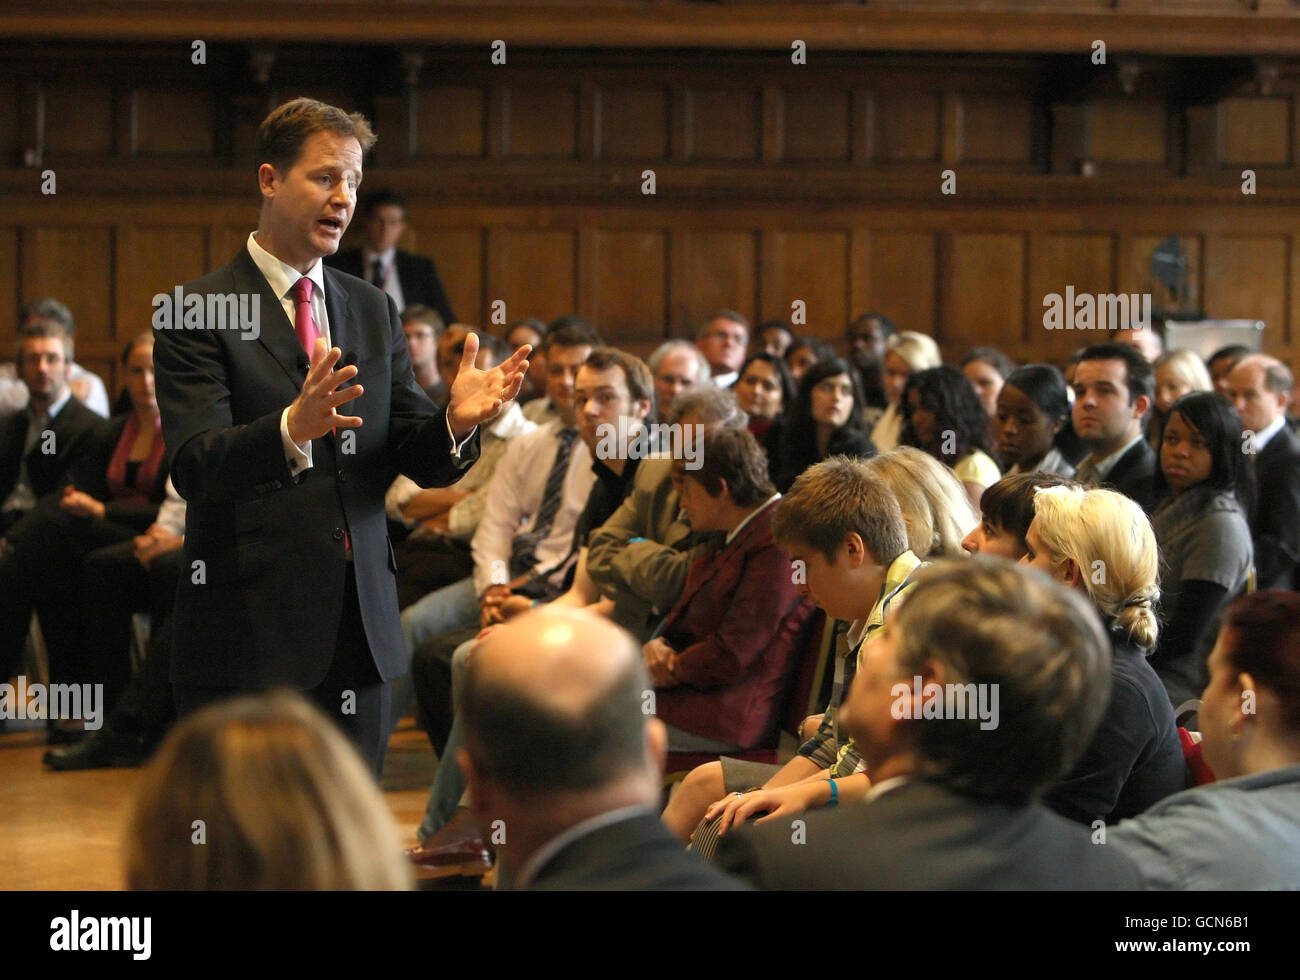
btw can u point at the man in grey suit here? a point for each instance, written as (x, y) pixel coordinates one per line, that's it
(980, 692)
(564, 759)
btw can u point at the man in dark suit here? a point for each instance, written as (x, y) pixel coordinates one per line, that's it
(563, 759)
(1260, 387)
(408, 279)
(41, 442)
(1113, 389)
(289, 570)
(979, 642)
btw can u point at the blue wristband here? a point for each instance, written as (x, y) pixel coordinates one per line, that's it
(835, 794)
(634, 540)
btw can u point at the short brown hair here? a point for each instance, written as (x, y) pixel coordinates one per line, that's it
(287, 128)
(640, 382)
(735, 456)
(1009, 503)
(1265, 632)
(45, 328)
(835, 497)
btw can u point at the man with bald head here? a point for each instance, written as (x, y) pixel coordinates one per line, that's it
(562, 748)
(1260, 388)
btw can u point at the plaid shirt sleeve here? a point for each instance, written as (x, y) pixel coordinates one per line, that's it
(823, 746)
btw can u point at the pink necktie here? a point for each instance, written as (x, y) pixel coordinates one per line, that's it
(303, 322)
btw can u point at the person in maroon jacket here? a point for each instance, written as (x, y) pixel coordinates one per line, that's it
(725, 654)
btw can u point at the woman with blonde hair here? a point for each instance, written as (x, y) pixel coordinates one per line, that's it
(905, 352)
(1178, 373)
(1101, 543)
(935, 505)
(261, 793)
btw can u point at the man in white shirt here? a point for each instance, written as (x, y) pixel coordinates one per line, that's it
(723, 341)
(86, 387)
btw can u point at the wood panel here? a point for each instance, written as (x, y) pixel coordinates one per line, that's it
(1057, 262)
(717, 270)
(459, 257)
(154, 259)
(534, 272)
(907, 125)
(817, 124)
(1246, 276)
(983, 291)
(996, 129)
(8, 289)
(724, 124)
(78, 120)
(1136, 275)
(810, 267)
(76, 266)
(1255, 131)
(633, 123)
(1127, 131)
(451, 121)
(543, 122)
(901, 278)
(631, 285)
(173, 123)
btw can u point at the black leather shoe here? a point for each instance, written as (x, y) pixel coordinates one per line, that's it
(99, 750)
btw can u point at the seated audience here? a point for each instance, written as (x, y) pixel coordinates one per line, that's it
(942, 415)
(845, 533)
(530, 331)
(1221, 363)
(560, 750)
(953, 802)
(905, 352)
(1006, 511)
(1260, 388)
(772, 337)
(1113, 387)
(86, 386)
(764, 391)
(286, 804)
(1178, 373)
(987, 370)
(1205, 548)
(723, 339)
(116, 487)
(935, 507)
(677, 365)
(865, 344)
(639, 557)
(804, 353)
(1100, 543)
(723, 659)
(40, 442)
(1243, 831)
(422, 327)
(1033, 414)
(542, 410)
(824, 421)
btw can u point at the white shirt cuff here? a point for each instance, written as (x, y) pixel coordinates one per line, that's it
(455, 447)
(297, 455)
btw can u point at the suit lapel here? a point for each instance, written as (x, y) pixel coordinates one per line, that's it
(338, 304)
(277, 335)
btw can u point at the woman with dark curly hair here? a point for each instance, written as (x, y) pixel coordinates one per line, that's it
(943, 415)
(825, 421)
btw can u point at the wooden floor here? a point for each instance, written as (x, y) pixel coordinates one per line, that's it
(63, 830)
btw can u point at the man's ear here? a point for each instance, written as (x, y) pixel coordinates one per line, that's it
(266, 180)
(855, 551)
(641, 407)
(1141, 405)
(656, 737)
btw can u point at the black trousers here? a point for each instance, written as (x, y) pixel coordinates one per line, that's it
(352, 694)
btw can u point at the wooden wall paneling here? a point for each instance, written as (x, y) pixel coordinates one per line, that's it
(1255, 132)
(725, 123)
(983, 291)
(588, 135)
(1246, 276)
(152, 259)
(74, 265)
(1085, 261)
(543, 121)
(451, 121)
(78, 121)
(631, 286)
(997, 129)
(534, 272)
(719, 270)
(174, 122)
(859, 291)
(951, 139)
(460, 256)
(908, 125)
(903, 279)
(811, 267)
(1293, 300)
(862, 113)
(634, 123)
(1127, 131)
(9, 142)
(773, 124)
(498, 122)
(820, 124)
(225, 241)
(9, 278)
(1135, 270)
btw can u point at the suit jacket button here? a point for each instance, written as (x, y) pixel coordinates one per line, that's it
(343, 477)
(338, 534)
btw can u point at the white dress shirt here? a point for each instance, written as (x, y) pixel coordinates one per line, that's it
(515, 496)
(23, 496)
(392, 284)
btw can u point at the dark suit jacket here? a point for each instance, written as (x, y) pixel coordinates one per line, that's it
(1134, 475)
(636, 854)
(417, 274)
(89, 473)
(265, 607)
(923, 836)
(737, 626)
(1276, 524)
(73, 428)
